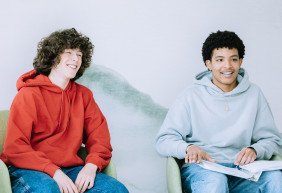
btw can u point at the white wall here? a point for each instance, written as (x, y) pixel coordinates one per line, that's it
(154, 44)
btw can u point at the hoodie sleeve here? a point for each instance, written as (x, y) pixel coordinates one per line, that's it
(97, 136)
(266, 139)
(17, 146)
(171, 139)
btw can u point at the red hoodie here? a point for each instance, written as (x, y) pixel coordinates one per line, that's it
(47, 126)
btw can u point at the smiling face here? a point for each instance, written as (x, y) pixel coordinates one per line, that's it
(66, 69)
(70, 62)
(224, 64)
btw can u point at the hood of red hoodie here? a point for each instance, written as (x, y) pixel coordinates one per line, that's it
(34, 79)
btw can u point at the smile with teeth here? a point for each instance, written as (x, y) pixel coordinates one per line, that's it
(72, 66)
(227, 74)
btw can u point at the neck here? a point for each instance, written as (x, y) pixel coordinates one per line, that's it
(59, 81)
(226, 88)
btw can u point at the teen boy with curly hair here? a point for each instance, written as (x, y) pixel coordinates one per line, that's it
(51, 116)
(224, 118)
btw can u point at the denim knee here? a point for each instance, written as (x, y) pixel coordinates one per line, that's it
(121, 188)
(31, 181)
(197, 180)
(107, 184)
(272, 181)
(211, 183)
(47, 187)
(115, 186)
(51, 187)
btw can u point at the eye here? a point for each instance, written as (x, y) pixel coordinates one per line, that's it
(219, 60)
(235, 59)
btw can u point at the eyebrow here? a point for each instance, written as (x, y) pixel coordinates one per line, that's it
(235, 55)
(68, 50)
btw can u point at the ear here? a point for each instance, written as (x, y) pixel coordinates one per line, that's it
(208, 64)
(240, 61)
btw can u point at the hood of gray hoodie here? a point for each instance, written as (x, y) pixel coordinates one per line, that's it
(204, 79)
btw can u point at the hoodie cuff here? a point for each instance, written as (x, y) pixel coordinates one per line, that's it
(50, 169)
(181, 150)
(99, 162)
(258, 150)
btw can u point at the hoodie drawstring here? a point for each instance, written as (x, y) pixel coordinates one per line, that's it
(62, 109)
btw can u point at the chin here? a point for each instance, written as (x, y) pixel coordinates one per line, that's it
(71, 76)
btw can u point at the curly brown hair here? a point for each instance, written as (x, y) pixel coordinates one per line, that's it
(51, 47)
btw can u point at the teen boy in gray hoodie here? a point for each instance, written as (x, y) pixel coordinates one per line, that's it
(223, 118)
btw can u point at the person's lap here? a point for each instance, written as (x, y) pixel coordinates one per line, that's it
(197, 179)
(30, 181)
(102, 183)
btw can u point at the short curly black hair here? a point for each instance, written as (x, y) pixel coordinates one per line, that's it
(222, 39)
(51, 47)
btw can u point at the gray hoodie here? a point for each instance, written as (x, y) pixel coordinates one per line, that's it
(221, 123)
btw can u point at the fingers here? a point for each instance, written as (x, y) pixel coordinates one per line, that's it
(78, 183)
(61, 189)
(73, 188)
(64, 182)
(83, 184)
(239, 157)
(195, 155)
(188, 152)
(186, 160)
(91, 184)
(245, 156)
(70, 188)
(192, 157)
(208, 158)
(85, 178)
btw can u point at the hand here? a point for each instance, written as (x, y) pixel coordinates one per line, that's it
(246, 155)
(85, 178)
(64, 182)
(195, 155)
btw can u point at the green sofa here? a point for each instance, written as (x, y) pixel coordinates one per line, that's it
(173, 178)
(5, 185)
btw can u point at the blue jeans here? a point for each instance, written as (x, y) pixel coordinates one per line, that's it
(196, 179)
(31, 181)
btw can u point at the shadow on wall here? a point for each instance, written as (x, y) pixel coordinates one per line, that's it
(134, 120)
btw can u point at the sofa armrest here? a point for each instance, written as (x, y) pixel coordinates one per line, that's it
(5, 185)
(277, 158)
(173, 177)
(110, 170)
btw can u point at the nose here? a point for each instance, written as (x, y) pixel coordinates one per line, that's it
(74, 57)
(227, 63)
